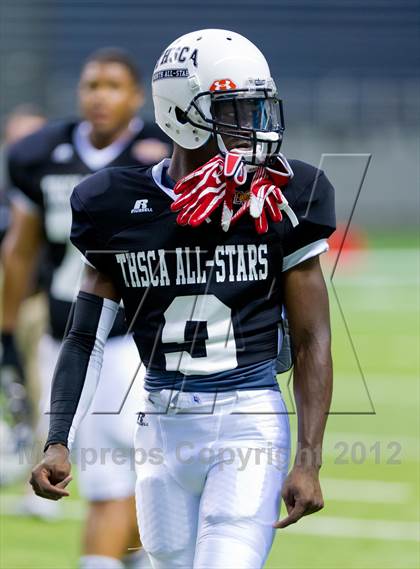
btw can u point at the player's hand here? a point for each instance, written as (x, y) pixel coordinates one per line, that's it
(51, 476)
(301, 494)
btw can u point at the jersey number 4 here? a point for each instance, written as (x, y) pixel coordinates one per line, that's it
(205, 324)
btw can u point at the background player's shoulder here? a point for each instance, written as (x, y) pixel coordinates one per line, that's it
(153, 131)
(150, 145)
(38, 147)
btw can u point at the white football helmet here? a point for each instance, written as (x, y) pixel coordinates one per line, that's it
(217, 83)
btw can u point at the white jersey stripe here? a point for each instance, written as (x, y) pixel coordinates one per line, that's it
(305, 253)
(106, 321)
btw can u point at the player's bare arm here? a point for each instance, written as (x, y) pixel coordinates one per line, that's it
(95, 282)
(307, 306)
(19, 253)
(51, 476)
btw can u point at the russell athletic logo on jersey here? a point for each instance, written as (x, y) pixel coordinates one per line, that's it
(141, 206)
(141, 420)
(186, 266)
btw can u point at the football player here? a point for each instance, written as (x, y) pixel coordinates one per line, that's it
(15, 401)
(44, 169)
(204, 249)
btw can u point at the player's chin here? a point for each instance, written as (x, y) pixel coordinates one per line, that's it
(103, 128)
(103, 125)
(236, 143)
(239, 145)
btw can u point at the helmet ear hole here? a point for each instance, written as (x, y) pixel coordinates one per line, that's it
(180, 115)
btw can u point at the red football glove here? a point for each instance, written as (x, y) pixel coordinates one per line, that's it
(266, 196)
(199, 193)
(214, 183)
(202, 191)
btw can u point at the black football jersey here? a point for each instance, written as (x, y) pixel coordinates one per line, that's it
(43, 169)
(200, 301)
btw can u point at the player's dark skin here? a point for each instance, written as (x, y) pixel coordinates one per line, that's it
(306, 301)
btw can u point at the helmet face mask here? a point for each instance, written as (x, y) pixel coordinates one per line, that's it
(251, 121)
(217, 84)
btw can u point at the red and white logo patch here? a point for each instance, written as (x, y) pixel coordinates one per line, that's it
(222, 85)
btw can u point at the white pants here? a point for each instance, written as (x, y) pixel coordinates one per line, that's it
(209, 477)
(104, 442)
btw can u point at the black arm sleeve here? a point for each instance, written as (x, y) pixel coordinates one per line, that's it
(78, 368)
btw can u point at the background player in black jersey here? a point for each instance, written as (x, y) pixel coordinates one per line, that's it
(15, 397)
(21, 121)
(203, 292)
(44, 168)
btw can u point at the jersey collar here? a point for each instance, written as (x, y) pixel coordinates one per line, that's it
(95, 158)
(157, 172)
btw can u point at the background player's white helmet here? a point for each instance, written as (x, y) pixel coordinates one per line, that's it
(213, 83)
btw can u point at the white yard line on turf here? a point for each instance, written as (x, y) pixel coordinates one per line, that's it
(354, 528)
(366, 491)
(317, 525)
(382, 387)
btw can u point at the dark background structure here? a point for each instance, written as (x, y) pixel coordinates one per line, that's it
(348, 70)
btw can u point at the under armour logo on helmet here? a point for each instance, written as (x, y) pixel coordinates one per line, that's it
(222, 85)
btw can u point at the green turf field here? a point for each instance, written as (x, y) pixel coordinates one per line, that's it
(371, 466)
